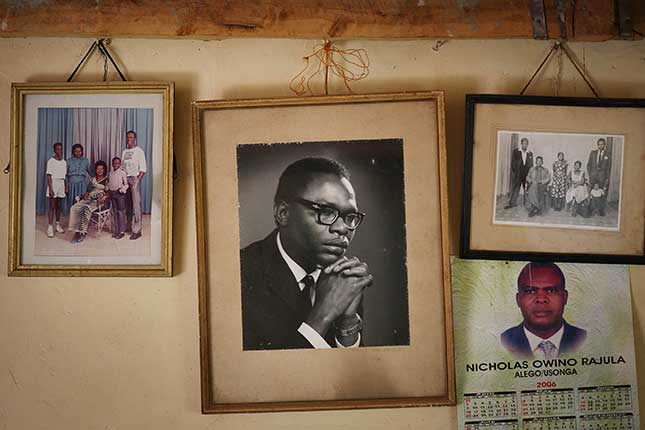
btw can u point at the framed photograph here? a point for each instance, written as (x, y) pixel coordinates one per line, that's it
(554, 178)
(91, 179)
(323, 253)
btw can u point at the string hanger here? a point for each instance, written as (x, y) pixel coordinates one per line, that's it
(559, 47)
(350, 65)
(101, 45)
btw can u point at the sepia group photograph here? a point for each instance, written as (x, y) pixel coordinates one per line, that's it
(562, 180)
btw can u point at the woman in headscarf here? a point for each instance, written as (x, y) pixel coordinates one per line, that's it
(96, 194)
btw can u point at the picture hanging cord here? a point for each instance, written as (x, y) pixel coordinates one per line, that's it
(560, 45)
(356, 67)
(100, 45)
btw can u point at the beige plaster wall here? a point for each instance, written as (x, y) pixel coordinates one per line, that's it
(124, 354)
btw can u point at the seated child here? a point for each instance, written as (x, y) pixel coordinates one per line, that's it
(118, 186)
(56, 188)
(81, 211)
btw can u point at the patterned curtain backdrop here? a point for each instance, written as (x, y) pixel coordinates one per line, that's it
(101, 131)
(140, 121)
(54, 125)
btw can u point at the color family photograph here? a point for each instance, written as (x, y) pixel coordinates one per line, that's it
(92, 179)
(560, 180)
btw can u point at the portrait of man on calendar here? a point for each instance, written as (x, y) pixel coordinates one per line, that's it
(543, 333)
(318, 269)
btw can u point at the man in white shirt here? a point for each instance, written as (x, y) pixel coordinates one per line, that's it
(133, 160)
(542, 296)
(299, 289)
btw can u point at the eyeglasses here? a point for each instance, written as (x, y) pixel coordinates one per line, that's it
(327, 215)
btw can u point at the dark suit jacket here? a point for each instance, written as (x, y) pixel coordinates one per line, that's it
(519, 170)
(514, 339)
(272, 305)
(599, 171)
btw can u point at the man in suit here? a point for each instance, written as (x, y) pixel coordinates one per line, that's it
(542, 296)
(299, 288)
(521, 163)
(599, 169)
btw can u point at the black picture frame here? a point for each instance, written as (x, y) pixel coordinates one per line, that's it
(466, 250)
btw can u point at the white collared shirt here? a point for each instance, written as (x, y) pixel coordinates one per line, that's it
(312, 336)
(534, 342)
(524, 155)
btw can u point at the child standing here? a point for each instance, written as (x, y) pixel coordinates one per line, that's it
(118, 186)
(596, 199)
(56, 188)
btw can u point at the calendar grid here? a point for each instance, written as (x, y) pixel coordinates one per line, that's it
(607, 407)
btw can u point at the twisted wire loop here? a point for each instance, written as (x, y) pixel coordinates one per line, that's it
(349, 65)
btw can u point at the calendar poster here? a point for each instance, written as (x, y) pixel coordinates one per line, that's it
(543, 346)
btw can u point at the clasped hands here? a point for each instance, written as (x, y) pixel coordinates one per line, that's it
(339, 291)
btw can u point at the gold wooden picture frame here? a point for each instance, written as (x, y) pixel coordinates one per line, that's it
(393, 145)
(98, 226)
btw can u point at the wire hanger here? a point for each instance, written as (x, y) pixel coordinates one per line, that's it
(99, 44)
(562, 47)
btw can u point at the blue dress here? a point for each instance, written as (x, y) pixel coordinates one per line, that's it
(78, 170)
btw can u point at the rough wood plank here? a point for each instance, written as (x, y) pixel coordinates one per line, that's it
(317, 19)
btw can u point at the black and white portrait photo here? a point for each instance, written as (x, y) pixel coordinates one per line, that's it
(323, 244)
(563, 180)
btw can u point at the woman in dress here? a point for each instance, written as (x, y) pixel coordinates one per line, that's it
(578, 192)
(559, 182)
(97, 193)
(78, 169)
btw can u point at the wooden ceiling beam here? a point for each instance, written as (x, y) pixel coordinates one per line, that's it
(589, 20)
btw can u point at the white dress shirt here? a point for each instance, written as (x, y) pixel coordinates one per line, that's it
(312, 336)
(524, 155)
(535, 341)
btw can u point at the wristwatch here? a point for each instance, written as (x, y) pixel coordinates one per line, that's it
(351, 331)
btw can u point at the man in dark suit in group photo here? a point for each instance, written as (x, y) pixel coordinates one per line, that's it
(542, 296)
(521, 163)
(599, 169)
(299, 288)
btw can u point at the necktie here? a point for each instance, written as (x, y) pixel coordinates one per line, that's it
(548, 348)
(599, 156)
(309, 291)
